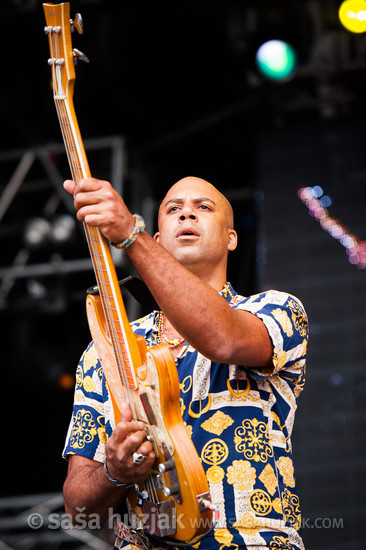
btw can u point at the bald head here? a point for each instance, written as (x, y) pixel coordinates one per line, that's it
(206, 190)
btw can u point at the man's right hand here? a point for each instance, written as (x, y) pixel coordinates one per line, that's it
(128, 437)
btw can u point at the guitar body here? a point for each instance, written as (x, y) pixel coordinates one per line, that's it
(156, 402)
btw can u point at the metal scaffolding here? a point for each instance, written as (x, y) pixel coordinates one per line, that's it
(49, 160)
(37, 522)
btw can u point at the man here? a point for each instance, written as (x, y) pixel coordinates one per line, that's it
(241, 365)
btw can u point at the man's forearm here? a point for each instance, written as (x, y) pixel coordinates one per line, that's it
(87, 490)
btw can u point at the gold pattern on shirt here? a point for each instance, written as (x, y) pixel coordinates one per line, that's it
(276, 418)
(90, 358)
(280, 543)
(184, 387)
(298, 318)
(241, 475)
(84, 429)
(189, 429)
(251, 438)
(225, 399)
(291, 509)
(186, 384)
(102, 435)
(215, 474)
(278, 439)
(286, 468)
(260, 502)
(249, 524)
(224, 537)
(277, 506)
(88, 384)
(279, 360)
(215, 452)
(217, 423)
(238, 393)
(268, 478)
(304, 347)
(79, 377)
(201, 410)
(182, 406)
(283, 319)
(283, 388)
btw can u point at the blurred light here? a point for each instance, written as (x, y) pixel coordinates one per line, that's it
(317, 191)
(347, 241)
(355, 248)
(66, 381)
(62, 229)
(36, 289)
(36, 232)
(352, 14)
(325, 201)
(276, 60)
(335, 380)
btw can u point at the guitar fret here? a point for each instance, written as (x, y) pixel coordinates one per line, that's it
(119, 341)
(112, 319)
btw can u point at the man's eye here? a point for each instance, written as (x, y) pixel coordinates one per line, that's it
(172, 209)
(204, 207)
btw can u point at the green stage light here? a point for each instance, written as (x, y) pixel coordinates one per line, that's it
(276, 60)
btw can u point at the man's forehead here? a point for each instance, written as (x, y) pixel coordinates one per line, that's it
(195, 189)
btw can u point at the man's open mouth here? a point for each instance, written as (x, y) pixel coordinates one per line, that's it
(187, 232)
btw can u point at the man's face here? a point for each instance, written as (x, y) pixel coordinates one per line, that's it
(195, 223)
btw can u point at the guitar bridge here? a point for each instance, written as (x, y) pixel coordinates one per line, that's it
(160, 518)
(158, 480)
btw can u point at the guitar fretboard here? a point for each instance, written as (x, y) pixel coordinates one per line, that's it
(119, 330)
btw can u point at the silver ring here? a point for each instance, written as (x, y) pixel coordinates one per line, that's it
(138, 458)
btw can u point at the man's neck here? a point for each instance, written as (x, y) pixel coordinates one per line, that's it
(216, 280)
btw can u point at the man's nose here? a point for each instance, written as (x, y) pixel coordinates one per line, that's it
(187, 215)
(186, 212)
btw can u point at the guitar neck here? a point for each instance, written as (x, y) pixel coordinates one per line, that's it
(121, 335)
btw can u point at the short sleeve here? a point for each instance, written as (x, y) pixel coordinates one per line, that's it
(87, 431)
(286, 321)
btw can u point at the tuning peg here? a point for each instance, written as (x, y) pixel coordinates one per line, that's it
(79, 55)
(77, 23)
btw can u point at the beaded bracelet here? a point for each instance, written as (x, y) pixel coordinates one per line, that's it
(139, 227)
(118, 483)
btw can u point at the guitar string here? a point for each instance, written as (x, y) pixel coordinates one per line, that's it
(96, 255)
(77, 170)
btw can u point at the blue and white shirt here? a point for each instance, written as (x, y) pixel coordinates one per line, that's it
(240, 420)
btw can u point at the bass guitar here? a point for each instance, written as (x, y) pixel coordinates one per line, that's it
(146, 378)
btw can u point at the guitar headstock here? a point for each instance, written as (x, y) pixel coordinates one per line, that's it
(63, 57)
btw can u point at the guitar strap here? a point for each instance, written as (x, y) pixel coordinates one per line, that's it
(137, 537)
(137, 288)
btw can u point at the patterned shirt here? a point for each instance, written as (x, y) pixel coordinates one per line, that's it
(240, 420)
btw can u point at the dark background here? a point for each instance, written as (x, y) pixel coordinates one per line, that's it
(173, 89)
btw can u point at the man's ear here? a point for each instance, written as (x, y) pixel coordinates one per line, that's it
(156, 237)
(233, 240)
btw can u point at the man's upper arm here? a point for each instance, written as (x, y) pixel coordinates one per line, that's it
(254, 346)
